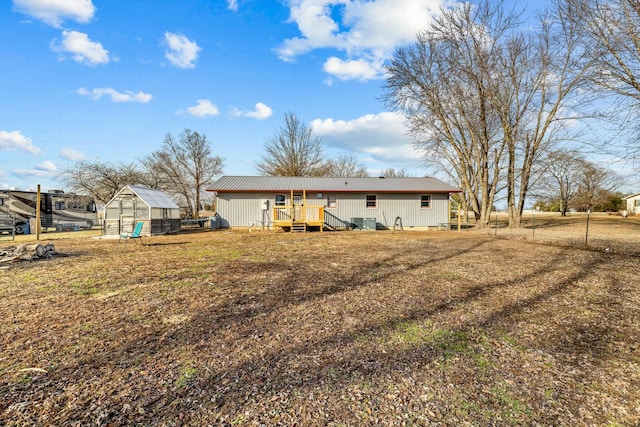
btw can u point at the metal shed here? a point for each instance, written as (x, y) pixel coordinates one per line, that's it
(134, 203)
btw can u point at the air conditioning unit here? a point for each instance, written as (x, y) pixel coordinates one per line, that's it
(363, 223)
(357, 223)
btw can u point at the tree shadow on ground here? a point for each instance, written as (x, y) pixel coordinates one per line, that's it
(282, 370)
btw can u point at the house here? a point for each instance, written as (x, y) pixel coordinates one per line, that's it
(135, 203)
(301, 203)
(633, 204)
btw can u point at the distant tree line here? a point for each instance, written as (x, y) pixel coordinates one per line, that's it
(570, 182)
(185, 166)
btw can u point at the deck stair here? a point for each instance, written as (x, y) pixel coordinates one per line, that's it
(298, 227)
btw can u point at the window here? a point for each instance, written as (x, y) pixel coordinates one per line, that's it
(425, 201)
(332, 201)
(637, 202)
(280, 199)
(59, 206)
(372, 201)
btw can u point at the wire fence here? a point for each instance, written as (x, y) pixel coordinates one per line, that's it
(599, 231)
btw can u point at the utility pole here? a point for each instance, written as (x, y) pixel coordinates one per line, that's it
(38, 198)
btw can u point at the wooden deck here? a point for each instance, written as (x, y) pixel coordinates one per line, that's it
(298, 218)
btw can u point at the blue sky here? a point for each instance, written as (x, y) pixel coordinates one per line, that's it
(106, 80)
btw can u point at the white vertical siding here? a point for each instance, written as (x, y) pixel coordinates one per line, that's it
(391, 206)
(245, 209)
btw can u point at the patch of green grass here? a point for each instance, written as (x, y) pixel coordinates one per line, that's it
(240, 419)
(412, 333)
(27, 277)
(463, 408)
(422, 333)
(450, 275)
(87, 286)
(548, 394)
(25, 378)
(450, 343)
(210, 254)
(513, 410)
(513, 342)
(138, 318)
(187, 374)
(179, 284)
(482, 362)
(364, 386)
(362, 338)
(87, 327)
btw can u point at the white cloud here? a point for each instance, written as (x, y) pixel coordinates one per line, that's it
(359, 69)
(232, 5)
(366, 31)
(382, 137)
(126, 96)
(181, 51)
(261, 112)
(203, 109)
(54, 12)
(72, 154)
(46, 169)
(15, 140)
(46, 166)
(81, 48)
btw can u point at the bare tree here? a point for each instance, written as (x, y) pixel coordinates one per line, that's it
(571, 181)
(611, 34)
(392, 173)
(185, 166)
(487, 99)
(346, 166)
(596, 185)
(562, 178)
(442, 84)
(612, 31)
(292, 151)
(101, 180)
(536, 96)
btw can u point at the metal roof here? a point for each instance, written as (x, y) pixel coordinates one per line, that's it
(234, 184)
(154, 198)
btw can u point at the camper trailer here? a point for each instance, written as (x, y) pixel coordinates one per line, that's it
(57, 209)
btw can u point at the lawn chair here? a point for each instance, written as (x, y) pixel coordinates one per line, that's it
(134, 235)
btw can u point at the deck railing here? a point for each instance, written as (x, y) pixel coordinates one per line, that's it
(291, 214)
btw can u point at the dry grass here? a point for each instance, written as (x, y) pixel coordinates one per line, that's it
(360, 328)
(601, 232)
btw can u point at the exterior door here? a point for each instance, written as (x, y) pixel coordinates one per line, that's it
(127, 215)
(126, 224)
(297, 207)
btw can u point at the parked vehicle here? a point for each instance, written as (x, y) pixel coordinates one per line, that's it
(6, 223)
(57, 209)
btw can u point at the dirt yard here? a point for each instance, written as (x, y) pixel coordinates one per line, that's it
(344, 328)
